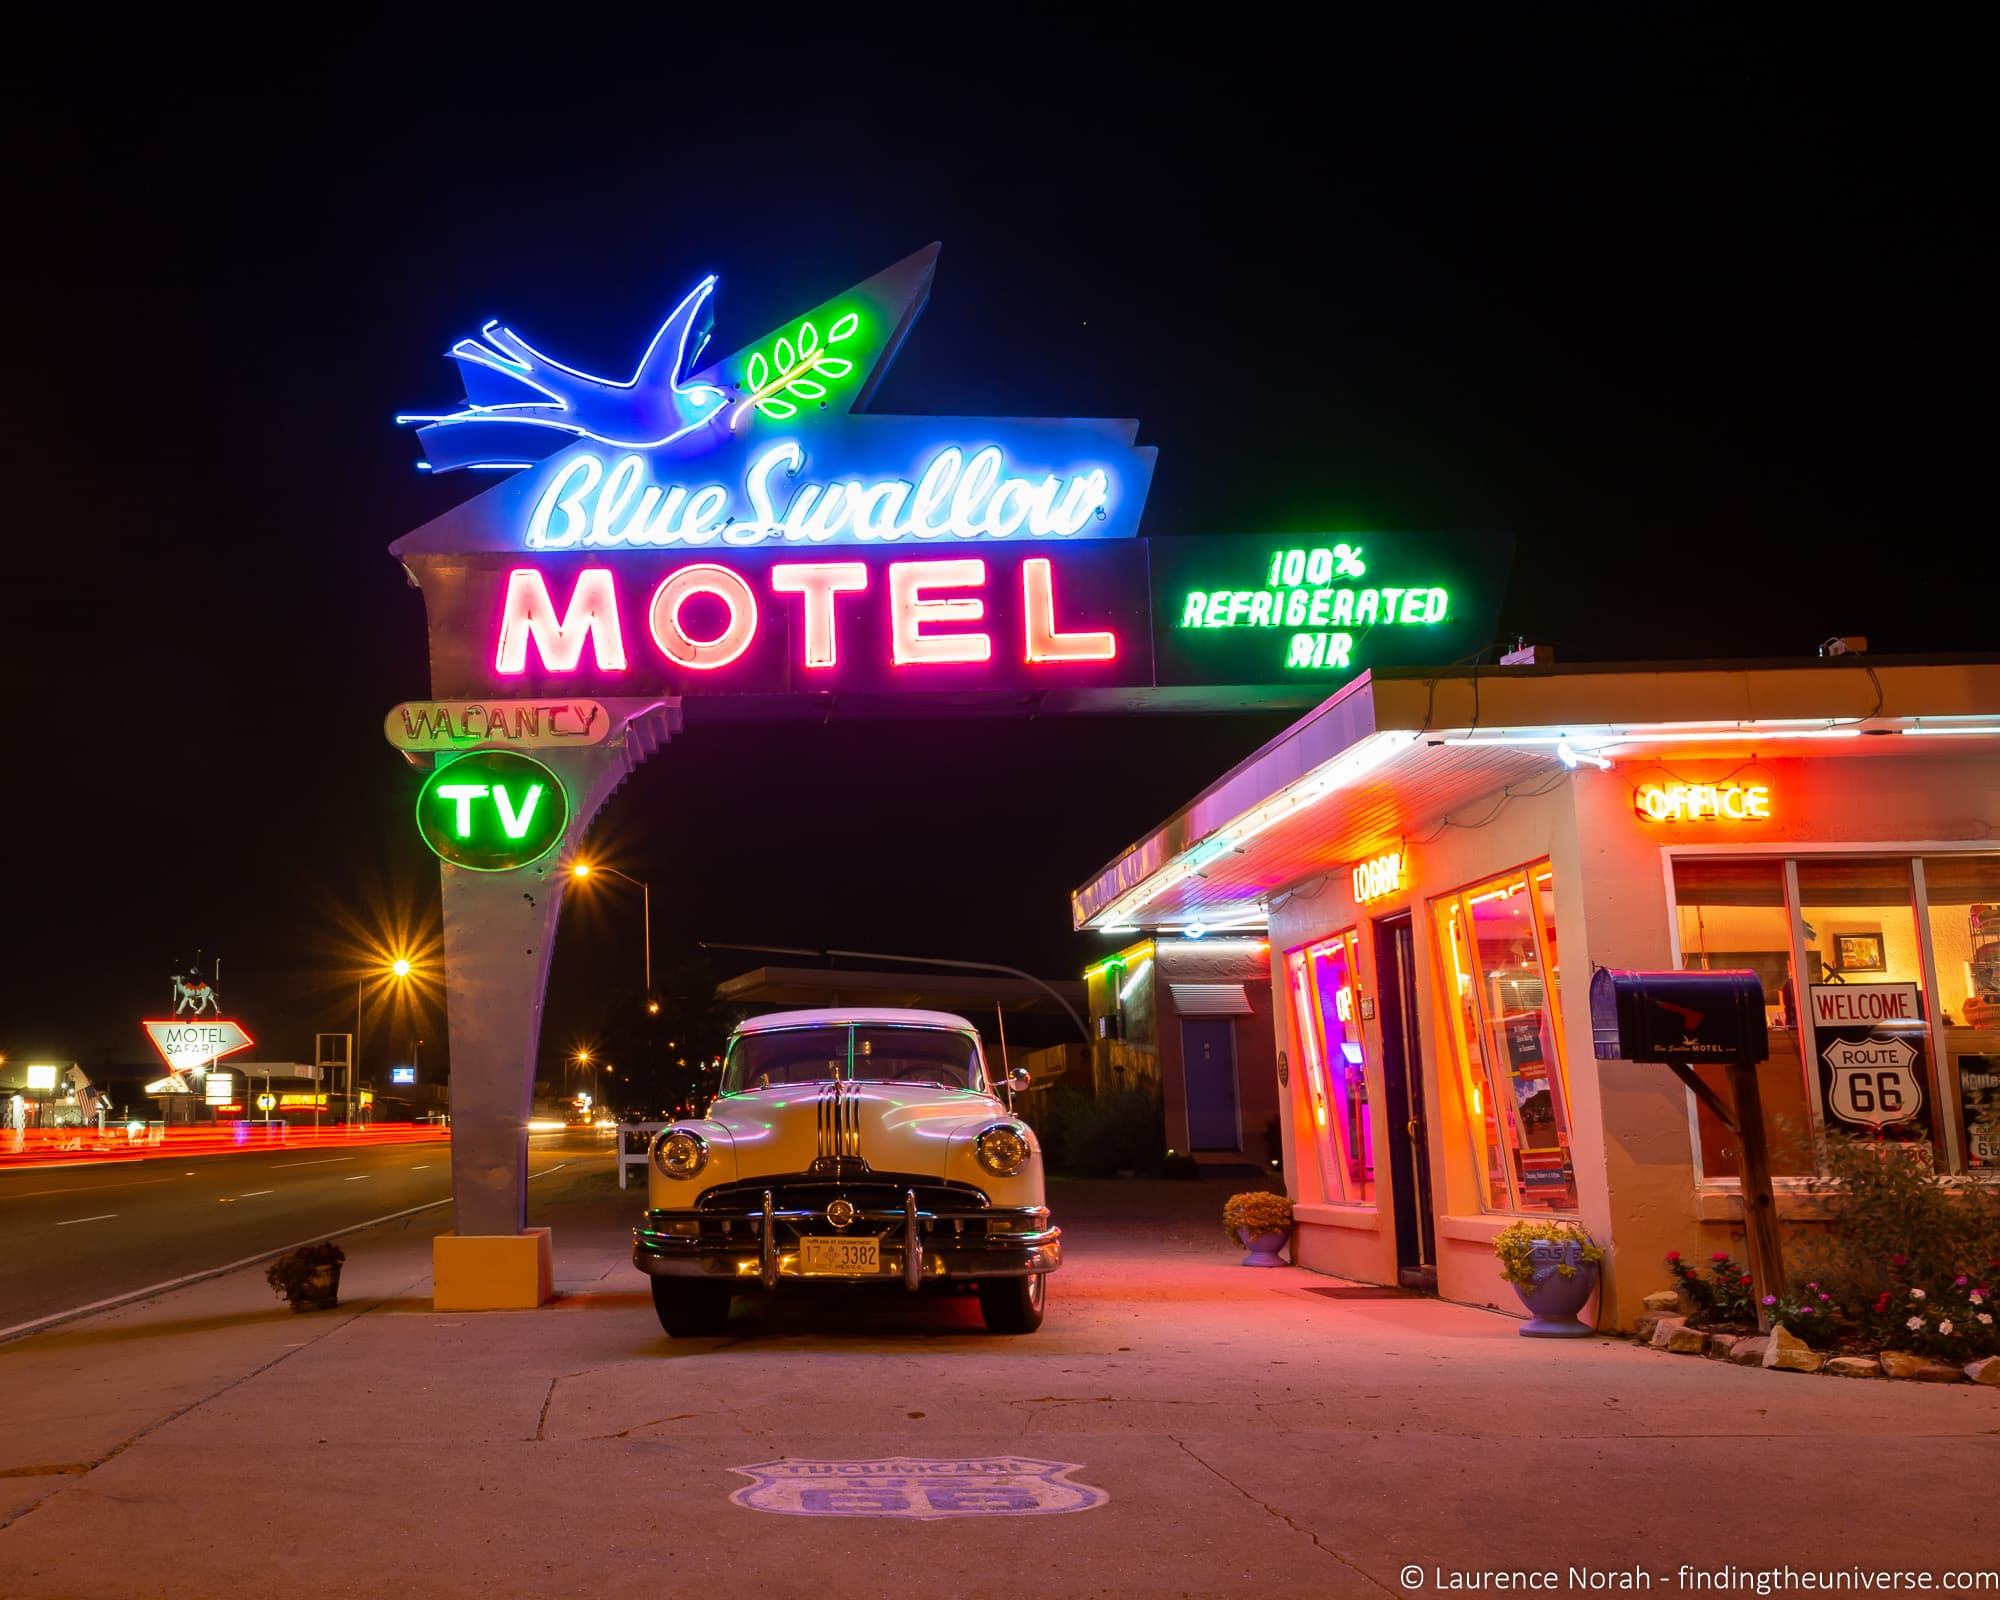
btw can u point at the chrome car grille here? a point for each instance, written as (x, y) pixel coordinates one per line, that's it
(878, 1191)
(838, 1129)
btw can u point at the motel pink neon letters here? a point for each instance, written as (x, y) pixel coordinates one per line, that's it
(704, 616)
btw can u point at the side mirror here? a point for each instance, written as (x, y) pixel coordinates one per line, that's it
(1019, 1080)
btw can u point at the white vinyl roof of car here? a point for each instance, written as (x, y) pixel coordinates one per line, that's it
(865, 1016)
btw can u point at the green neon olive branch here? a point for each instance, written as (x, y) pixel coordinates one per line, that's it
(795, 367)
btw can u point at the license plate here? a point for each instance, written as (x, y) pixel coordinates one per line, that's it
(840, 1258)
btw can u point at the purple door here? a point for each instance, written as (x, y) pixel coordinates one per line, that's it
(1208, 1072)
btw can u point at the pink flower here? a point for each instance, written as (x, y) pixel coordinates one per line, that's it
(1944, 1327)
(1914, 1322)
(1917, 1294)
(1673, 1255)
(1986, 1317)
(1960, 1281)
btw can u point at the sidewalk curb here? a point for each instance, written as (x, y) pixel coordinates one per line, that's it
(21, 1330)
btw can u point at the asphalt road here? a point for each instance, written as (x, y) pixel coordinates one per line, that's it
(73, 1236)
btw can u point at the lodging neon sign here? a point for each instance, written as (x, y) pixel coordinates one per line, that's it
(1380, 877)
(1703, 802)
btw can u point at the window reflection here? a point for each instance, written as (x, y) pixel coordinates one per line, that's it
(1325, 985)
(1497, 950)
(1731, 917)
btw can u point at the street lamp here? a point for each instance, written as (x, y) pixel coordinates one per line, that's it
(580, 870)
(399, 969)
(583, 1058)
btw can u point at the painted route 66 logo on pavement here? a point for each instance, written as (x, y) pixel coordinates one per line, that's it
(906, 1486)
(1873, 1081)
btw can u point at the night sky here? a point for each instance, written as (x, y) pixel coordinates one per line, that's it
(1699, 312)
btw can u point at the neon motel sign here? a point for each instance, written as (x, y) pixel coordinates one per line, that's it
(954, 493)
(704, 616)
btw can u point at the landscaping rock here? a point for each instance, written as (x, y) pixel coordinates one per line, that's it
(1686, 1341)
(1987, 1371)
(1664, 1329)
(1722, 1346)
(1919, 1369)
(1749, 1351)
(1664, 1300)
(1644, 1324)
(1787, 1352)
(1854, 1367)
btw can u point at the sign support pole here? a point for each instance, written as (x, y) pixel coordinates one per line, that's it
(499, 934)
(1760, 1209)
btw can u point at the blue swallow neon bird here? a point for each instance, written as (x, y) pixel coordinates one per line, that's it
(653, 407)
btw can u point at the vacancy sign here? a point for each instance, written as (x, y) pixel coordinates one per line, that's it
(1871, 1049)
(186, 1045)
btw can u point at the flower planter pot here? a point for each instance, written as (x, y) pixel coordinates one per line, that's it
(1553, 1300)
(320, 1291)
(1266, 1249)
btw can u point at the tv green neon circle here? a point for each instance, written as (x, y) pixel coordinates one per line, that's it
(492, 810)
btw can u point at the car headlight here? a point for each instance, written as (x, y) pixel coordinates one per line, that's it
(679, 1153)
(1002, 1149)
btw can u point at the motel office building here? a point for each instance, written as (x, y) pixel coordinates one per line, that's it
(1442, 858)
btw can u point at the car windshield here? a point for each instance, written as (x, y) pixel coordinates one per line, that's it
(940, 1057)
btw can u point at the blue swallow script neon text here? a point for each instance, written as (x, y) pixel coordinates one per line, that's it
(957, 493)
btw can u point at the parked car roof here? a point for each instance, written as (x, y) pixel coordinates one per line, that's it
(866, 1016)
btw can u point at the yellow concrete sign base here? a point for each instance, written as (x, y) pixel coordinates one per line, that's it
(491, 1272)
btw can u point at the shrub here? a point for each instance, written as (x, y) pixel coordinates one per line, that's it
(1909, 1260)
(1120, 1130)
(1725, 1294)
(292, 1271)
(1515, 1246)
(1895, 1222)
(1257, 1212)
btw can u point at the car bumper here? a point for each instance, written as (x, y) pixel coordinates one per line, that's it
(761, 1249)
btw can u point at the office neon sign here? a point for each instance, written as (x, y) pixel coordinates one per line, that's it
(704, 617)
(1703, 802)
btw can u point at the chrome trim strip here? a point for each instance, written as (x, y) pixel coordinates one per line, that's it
(770, 1253)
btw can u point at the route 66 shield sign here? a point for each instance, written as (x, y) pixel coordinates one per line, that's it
(1873, 1082)
(906, 1486)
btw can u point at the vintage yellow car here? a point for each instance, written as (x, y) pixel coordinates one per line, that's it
(849, 1146)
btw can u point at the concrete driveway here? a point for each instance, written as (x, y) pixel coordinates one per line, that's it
(1253, 1437)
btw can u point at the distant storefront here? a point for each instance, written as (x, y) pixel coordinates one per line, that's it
(1194, 1014)
(1442, 858)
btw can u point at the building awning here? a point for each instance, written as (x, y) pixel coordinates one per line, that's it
(1397, 750)
(1210, 999)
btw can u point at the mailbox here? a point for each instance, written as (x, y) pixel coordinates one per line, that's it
(1678, 1018)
